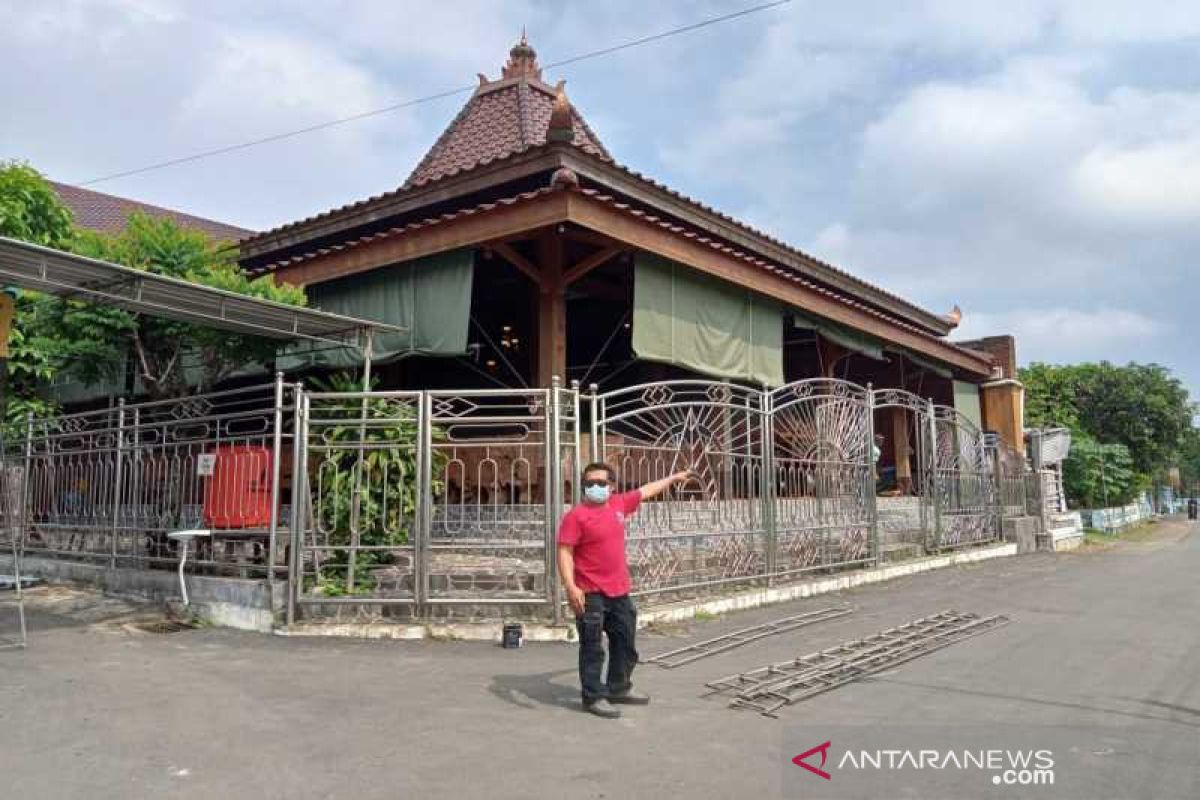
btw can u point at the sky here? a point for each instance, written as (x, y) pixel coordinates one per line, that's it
(1036, 163)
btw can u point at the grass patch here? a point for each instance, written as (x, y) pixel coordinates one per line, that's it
(703, 616)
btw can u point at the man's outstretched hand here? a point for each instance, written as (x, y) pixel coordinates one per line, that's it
(655, 488)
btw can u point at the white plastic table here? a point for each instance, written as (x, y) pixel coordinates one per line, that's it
(183, 537)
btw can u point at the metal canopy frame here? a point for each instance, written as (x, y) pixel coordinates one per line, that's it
(71, 276)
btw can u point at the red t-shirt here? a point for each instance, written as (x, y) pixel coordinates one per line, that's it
(598, 535)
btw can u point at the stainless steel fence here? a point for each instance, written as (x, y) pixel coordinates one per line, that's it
(106, 487)
(415, 500)
(404, 503)
(712, 529)
(822, 482)
(963, 488)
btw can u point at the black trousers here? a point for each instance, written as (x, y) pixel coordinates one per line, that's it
(615, 617)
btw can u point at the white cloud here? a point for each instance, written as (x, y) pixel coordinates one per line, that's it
(1069, 334)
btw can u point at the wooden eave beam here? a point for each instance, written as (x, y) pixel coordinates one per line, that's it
(466, 231)
(603, 218)
(644, 192)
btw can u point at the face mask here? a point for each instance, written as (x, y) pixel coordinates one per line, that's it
(596, 494)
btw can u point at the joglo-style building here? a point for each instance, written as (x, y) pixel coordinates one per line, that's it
(520, 249)
(550, 307)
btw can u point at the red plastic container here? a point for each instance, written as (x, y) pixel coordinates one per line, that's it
(238, 493)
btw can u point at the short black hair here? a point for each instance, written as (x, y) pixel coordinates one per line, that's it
(596, 466)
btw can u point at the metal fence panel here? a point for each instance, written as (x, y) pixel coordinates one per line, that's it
(964, 486)
(494, 495)
(359, 480)
(823, 479)
(711, 529)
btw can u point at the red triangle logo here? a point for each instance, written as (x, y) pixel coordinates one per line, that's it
(823, 749)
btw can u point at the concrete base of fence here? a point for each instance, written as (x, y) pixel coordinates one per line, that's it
(678, 612)
(228, 602)
(672, 612)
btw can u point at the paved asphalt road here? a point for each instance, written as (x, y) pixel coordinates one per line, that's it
(1103, 642)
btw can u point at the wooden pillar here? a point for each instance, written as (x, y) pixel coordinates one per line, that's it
(551, 311)
(830, 354)
(900, 450)
(1002, 404)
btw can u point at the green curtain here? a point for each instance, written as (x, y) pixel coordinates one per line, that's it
(848, 338)
(966, 402)
(430, 297)
(684, 317)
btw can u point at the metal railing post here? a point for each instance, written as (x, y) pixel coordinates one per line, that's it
(118, 477)
(273, 524)
(594, 425)
(553, 494)
(768, 487)
(423, 514)
(299, 500)
(578, 459)
(872, 478)
(935, 500)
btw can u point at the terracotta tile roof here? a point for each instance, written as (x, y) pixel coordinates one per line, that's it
(698, 236)
(107, 213)
(502, 118)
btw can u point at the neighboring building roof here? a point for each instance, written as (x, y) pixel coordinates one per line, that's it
(512, 128)
(505, 117)
(106, 213)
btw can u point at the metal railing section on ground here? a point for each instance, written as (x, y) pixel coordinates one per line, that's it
(770, 688)
(729, 641)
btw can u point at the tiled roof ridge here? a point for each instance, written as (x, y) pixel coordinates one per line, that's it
(650, 218)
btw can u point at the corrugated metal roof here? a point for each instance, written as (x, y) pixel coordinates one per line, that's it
(44, 269)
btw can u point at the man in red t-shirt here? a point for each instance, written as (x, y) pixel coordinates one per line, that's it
(591, 561)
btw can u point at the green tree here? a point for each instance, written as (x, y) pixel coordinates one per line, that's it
(1140, 406)
(1098, 475)
(29, 207)
(31, 211)
(171, 358)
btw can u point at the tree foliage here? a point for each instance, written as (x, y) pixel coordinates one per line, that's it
(1141, 406)
(1099, 475)
(29, 207)
(1135, 418)
(171, 358)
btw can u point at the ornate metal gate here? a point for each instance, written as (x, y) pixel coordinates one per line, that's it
(822, 478)
(962, 483)
(910, 520)
(710, 530)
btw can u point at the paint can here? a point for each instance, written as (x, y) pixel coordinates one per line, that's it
(513, 635)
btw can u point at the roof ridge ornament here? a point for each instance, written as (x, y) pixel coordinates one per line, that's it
(562, 126)
(522, 61)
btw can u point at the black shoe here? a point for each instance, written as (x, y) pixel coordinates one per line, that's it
(602, 708)
(629, 697)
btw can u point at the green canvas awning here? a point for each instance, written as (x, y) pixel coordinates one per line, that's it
(429, 297)
(687, 318)
(848, 338)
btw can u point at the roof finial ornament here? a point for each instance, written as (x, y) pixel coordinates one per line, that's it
(561, 127)
(955, 316)
(522, 61)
